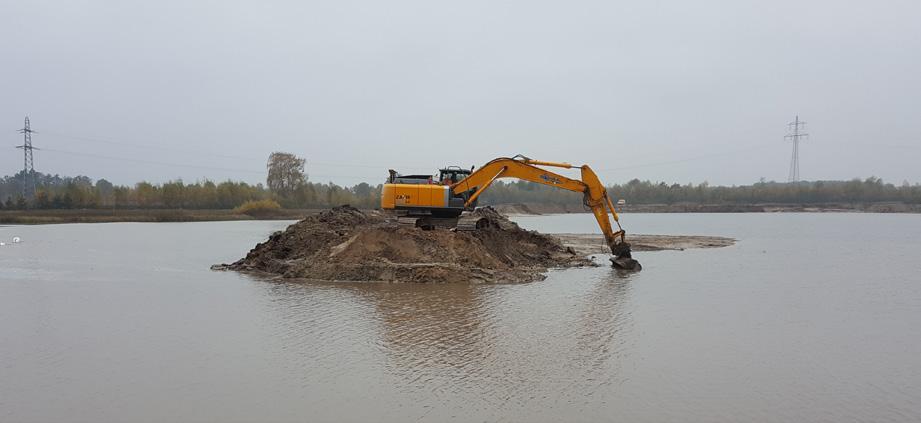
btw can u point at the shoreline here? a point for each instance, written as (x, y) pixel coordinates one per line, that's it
(44, 217)
(882, 207)
(57, 216)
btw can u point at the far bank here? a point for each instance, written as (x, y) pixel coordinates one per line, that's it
(40, 217)
(881, 207)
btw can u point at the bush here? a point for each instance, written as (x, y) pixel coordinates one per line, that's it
(258, 208)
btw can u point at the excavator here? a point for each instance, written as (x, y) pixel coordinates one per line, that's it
(427, 203)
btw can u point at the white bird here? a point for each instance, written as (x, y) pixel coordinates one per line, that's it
(16, 240)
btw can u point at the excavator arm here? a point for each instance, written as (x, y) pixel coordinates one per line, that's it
(595, 195)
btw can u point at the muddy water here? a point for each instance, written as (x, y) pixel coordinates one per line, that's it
(124, 322)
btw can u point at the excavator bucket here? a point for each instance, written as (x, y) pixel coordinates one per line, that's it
(623, 257)
(621, 249)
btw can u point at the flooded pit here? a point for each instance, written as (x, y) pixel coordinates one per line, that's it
(114, 322)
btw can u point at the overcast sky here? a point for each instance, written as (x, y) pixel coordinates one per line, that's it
(664, 90)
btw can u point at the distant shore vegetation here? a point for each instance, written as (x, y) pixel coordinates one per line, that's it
(288, 187)
(56, 192)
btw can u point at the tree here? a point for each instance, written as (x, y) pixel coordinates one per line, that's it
(104, 189)
(42, 200)
(172, 194)
(121, 196)
(286, 173)
(146, 194)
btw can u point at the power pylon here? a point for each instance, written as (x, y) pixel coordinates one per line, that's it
(28, 168)
(795, 135)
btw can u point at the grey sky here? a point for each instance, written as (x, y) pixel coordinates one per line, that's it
(636, 89)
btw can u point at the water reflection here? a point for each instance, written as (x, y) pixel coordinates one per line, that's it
(434, 337)
(499, 346)
(321, 331)
(604, 333)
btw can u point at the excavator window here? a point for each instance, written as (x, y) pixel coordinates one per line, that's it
(452, 174)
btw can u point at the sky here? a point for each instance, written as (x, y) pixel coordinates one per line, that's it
(673, 91)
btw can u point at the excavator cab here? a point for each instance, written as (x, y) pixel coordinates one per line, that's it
(453, 174)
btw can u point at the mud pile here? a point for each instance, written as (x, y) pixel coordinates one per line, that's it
(346, 244)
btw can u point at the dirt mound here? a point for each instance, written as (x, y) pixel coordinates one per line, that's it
(345, 243)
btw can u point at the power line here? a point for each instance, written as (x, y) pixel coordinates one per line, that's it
(154, 162)
(309, 162)
(319, 163)
(185, 165)
(110, 141)
(141, 145)
(795, 135)
(688, 159)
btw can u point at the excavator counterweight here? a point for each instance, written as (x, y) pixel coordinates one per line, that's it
(426, 202)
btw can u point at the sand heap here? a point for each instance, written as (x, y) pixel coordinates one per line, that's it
(347, 244)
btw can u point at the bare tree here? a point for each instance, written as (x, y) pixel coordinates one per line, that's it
(286, 173)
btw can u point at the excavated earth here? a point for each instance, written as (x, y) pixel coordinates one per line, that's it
(347, 244)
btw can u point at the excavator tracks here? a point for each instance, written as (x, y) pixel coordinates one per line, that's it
(427, 222)
(466, 222)
(472, 223)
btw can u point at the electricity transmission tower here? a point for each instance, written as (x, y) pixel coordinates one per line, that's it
(795, 135)
(28, 169)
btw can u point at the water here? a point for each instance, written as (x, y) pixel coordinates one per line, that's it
(810, 317)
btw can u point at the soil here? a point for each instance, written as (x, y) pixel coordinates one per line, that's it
(347, 244)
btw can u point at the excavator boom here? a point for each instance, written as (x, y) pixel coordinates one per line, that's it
(595, 195)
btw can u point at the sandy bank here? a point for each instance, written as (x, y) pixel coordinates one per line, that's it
(587, 244)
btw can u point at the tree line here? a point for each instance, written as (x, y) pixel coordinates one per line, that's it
(287, 183)
(80, 192)
(870, 190)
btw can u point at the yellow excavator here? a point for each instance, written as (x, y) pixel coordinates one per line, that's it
(427, 203)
